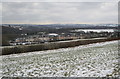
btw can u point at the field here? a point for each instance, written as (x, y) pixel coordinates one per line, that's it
(92, 60)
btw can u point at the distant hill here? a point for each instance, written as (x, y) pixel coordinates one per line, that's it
(12, 31)
(98, 26)
(9, 33)
(82, 26)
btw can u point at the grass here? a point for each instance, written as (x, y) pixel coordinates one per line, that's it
(83, 61)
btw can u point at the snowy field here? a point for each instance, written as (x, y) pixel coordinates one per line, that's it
(93, 60)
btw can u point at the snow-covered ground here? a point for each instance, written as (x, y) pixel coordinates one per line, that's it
(93, 60)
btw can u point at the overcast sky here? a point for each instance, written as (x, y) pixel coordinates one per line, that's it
(60, 13)
(59, 0)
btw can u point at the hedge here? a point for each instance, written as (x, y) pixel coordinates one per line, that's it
(50, 46)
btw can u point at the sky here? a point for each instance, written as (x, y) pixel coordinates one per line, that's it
(59, 12)
(59, 0)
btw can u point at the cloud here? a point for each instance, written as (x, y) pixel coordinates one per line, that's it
(0, 13)
(59, 0)
(66, 12)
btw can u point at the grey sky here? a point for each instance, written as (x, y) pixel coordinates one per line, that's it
(59, 0)
(64, 12)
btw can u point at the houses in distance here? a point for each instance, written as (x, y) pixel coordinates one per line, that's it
(52, 37)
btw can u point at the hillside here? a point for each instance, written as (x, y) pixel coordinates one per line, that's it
(93, 60)
(12, 31)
